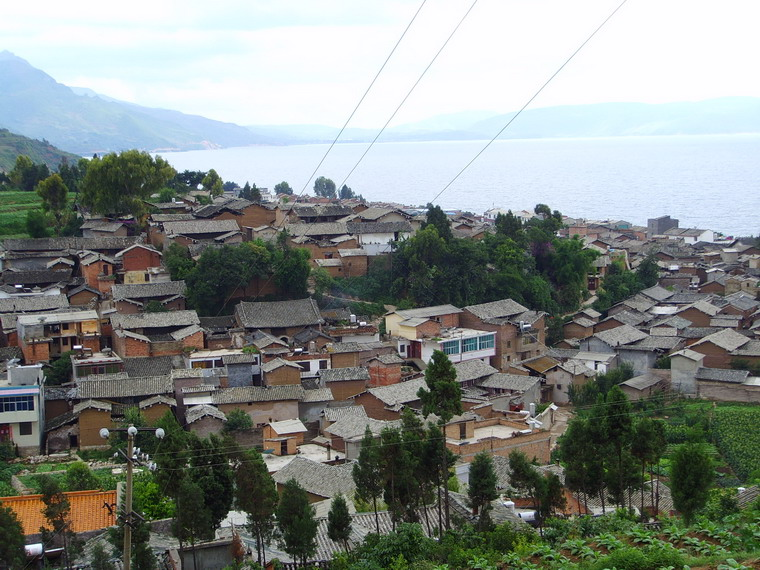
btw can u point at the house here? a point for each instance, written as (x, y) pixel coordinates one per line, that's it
(420, 332)
(85, 363)
(99, 270)
(497, 436)
(22, 408)
(282, 319)
(313, 403)
(384, 369)
(470, 372)
(387, 402)
(699, 313)
(520, 333)
(245, 213)
(133, 298)
(279, 372)
(343, 354)
(609, 340)
(156, 334)
(45, 336)
(345, 382)
(284, 437)
(559, 379)
(683, 368)
(718, 347)
(347, 429)
(196, 231)
(378, 238)
(645, 386)
(319, 480)
(727, 385)
(579, 327)
(264, 404)
(516, 390)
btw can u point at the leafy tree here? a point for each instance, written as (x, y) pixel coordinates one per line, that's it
(100, 559)
(325, 188)
(154, 306)
(12, 554)
(36, 224)
(367, 473)
(192, 521)
(237, 420)
(339, 521)
(436, 217)
(59, 372)
(177, 259)
(291, 269)
(283, 188)
(187, 180)
(149, 498)
(72, 174)
(54, 194)
(212, 473)
(141, 553)
(119, 183)
(166, 195)
(295, 517)
(230, 186)
(213, 184)
(508, 225)
(25, 174)
(647, 446)
(79, 477)
(482, 487)
(256, 495)
(691, 476)
(56, 511)
(251, 192)
(648, 271)
(583, 457)
(346, 193)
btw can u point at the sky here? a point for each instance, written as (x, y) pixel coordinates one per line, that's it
(310, 61)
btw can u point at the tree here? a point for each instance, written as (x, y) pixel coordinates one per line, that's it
(26, 174)
(212, 473)
(178, 261)
(367, 473)
(118, 184)
(54, 194)
(59, 372)
(339, 521)
(256, 495)
(648, 271)
(647, 446)
(616, 415)
(583, 457)
(213, 184)
(100, 559)
(482, 488)
(36, 224)
(192, 521)
(12, 554)
(346, 193)
(79, 477)
(237, 420)
(295, 517)
(691, 476)
(251, 192)
(325, 188)
(283, 188)
(56, 511)
(291, 269)
(444, 399)
(438, 218)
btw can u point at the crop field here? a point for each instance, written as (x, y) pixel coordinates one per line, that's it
(13, 209)
(737, 433)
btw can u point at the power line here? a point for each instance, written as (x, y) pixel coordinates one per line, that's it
(529, 101)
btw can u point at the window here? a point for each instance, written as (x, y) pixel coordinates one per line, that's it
(470, 344)
(25, 428)
(323, 364)
(559, 386)
(486, 341)
(450, 347)
(17, 404)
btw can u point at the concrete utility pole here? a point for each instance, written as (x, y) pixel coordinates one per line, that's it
(131, 458)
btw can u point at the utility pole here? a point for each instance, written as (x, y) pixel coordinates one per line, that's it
(131, 458)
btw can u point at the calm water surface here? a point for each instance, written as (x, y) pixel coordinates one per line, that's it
(710, 182)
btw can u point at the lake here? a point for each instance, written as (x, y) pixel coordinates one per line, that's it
(705, 181)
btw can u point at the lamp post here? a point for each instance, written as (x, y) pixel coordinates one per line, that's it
(131, 457)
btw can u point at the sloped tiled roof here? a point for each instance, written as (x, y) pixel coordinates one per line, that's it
(727, 339)
(624, 334)
(643, 381)
(347, 374)
(245, 394)
(288, 426)
(400, 393)
(137, 366)
(32, 277)
(195, 413)
(148, 290)
(279, 314)
(428, 312)
(378, 227)
(472, 369)
(18, 304)
(722, 375)
(276, 363)
(318, 478)
(88, 511)
(112, 388)
(514, 382)
(351, 426)
(195, 227)
(318, 395)
(502, 309)
(154, 320)
(657, 293)
(334, 414)
(70, 243)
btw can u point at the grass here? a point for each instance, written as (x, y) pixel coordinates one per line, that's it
(13, 209)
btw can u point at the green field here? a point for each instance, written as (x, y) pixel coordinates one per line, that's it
(13, 209)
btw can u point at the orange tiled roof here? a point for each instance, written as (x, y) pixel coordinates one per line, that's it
(88, 511)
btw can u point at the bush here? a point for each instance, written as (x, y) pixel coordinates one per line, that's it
(623, 559)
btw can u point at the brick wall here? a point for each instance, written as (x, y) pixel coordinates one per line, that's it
(344, 390)
(36, 352)
(715, 357)
(90, 423)
(535, 445)
(382, 375)
(139, 258)
(282, 376)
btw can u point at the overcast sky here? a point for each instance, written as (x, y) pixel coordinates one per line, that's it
(309, 61)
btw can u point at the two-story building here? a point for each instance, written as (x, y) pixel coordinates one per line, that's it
(21, 408)
(45, 336)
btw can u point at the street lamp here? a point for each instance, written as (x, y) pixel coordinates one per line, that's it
(131, 457)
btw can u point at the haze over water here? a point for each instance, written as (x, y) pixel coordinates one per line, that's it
(709, 182)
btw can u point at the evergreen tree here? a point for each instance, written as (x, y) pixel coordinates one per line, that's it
(12, 554)
(100, 558)
(346, 193)
(256, 495)
(57, 512)
(213, 183)
(54, 194)
(438, 218)
(192, 521)
(647, 447)
(482, 488)
(399, 476)
(339, 521)
(367, 473)
(619, 426)
(691, 476)
(295, 517)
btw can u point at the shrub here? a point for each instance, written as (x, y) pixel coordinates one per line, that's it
(622, 559)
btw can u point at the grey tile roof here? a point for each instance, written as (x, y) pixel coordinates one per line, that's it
(427, 312)
(172, 217)
(504, 308)
(752, 348)
(196, 227)
(515, 382)
(218, 324)
(472, 370)
(318, 395)
(742, 301)
(378, 227)
(244, 358)
(36, 277)
(388, 359)
(726, 339)
(112, 388)
(70, 243)
(344, 374)
(159, 399)
(319, 478)
(334, 414)
(633, 318)
(643, 381)
(401, 393)
(245, 394)
(195, 413)
(278, 314)
(148, 366)
(19, 304)
(666, 343)
(674, 322)
(148, 290)
(624, 334)
(321, 210)
(154, 320)
(354, 426)
(722, 375)
(317, 229)
(657, 293)
(276, 363)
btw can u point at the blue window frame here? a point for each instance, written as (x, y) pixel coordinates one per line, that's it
(486, 341)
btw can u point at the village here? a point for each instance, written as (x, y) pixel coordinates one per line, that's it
(313, 376)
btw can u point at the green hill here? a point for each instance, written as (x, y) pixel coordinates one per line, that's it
(13, 145)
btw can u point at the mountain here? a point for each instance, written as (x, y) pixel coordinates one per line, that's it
(34, 104)
(12, 145)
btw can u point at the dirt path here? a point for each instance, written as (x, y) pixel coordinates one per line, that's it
(561, 417)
